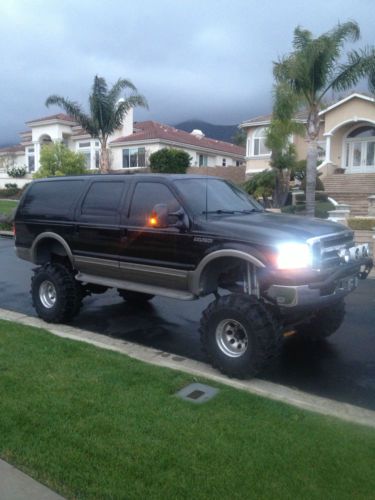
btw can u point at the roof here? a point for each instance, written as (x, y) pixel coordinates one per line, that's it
(17, 148)
(59, 116)
(150, 130)
(266, 119)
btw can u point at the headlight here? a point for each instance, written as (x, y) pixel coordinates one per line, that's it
(294, 256)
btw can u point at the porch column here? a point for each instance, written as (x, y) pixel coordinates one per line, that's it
(328, 148)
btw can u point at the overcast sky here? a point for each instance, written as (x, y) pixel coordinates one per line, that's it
(207, 59)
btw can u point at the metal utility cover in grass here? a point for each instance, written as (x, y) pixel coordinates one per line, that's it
(197, 393)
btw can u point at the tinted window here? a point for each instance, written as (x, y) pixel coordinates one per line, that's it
(103, 198)
(146, 196)
(213, 195)
(55, 198)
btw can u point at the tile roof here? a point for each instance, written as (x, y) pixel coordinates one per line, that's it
(13, 149)
(59, 116)
(148, 130)
(300, 115)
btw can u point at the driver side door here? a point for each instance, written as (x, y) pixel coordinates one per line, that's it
(148, 254)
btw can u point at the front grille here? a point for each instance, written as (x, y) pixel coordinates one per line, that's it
(326, 249)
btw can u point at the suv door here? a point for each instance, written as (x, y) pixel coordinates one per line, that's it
(148, 254)
(98, 233)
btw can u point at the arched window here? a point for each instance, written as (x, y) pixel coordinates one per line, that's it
(362, 132)
(259, 142)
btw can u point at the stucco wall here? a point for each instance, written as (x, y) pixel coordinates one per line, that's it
(353, 110)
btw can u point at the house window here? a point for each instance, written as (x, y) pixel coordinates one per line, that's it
(133, 157)
(91, 152)
(30, 155)
(259, 142)
(224, 162)
(203, 160)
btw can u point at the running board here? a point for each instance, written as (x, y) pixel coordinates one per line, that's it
(135, 287)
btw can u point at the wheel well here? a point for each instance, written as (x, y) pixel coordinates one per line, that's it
(224, 272)
(50, 250)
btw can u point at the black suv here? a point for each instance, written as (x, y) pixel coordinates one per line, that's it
(186, 237)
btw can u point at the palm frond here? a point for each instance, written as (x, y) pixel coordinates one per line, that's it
(74, 110)
(302, 38)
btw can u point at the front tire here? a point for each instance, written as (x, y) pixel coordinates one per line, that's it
(56, 295)
(239, 335)
(324, 322)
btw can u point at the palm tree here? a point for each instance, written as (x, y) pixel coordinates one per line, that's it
(107, 111)
(311, 70)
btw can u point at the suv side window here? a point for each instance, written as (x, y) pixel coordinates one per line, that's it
(51, 198)
(146, 196)
(103, 198)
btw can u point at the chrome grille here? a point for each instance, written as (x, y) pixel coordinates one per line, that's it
(326, 249)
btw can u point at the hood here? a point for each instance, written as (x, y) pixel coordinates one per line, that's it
(270, 228)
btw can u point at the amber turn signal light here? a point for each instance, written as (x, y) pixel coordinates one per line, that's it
(153, 221)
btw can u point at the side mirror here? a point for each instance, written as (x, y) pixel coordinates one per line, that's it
(159, 216)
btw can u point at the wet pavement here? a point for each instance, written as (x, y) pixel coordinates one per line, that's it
(341, 368)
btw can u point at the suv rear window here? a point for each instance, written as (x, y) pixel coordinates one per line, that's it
(103, 198)
(51, 198)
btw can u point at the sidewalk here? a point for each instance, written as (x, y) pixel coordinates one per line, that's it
(15, 485)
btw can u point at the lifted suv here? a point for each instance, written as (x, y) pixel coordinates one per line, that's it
(185, 237)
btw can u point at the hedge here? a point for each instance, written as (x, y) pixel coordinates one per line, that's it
(361, 223)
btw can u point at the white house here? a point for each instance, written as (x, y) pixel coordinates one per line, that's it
(130, 146)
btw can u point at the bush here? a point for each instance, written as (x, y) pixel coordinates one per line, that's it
(321, 209)
(169, 161)
(17, 171)
(56, 160)
(10, 192)
(361, 223)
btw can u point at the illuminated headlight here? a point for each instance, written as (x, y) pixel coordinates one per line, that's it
(294, 256)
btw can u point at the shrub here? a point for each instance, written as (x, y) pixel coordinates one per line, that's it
(56, 160)
(361, 223)
(321, 209)
(169, 161)
(9, 192)
(17, 171)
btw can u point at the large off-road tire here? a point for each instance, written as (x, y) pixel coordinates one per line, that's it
(324, 322)
(239, 335)
(135, 297)
(56, 295)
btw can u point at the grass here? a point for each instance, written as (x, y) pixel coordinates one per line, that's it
(6, 206)
(94, 424)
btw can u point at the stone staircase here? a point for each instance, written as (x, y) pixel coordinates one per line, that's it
(352, 189)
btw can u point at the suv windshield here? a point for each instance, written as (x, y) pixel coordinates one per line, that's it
(215, 196)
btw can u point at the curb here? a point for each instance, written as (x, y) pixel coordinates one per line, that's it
(270, 390)
(7, 234)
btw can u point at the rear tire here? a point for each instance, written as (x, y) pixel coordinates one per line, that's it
(56, 294)
(239, 335)
(324, 322)
(135, 297)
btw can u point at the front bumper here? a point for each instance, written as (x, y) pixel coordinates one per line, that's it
(323, 293)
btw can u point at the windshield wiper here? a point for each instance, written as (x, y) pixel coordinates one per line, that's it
(225, 211)
(220, 211)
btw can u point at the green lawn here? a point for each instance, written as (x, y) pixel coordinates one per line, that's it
(6, 206)
(96, 424)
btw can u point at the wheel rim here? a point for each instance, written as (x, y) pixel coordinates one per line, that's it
(47, 294)
(231, 337)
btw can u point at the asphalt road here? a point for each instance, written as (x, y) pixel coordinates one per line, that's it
(341, 368)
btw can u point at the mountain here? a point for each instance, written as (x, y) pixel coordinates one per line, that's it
(219, 132)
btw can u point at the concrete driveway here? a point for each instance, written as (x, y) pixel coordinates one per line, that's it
(341, 368)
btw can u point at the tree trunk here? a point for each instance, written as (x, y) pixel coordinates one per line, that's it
(104, 158)
(313, 126)
(281, 191)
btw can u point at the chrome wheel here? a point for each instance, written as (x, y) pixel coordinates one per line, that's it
(47, 294)
(231, 337)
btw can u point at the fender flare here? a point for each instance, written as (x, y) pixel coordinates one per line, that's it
(197, 273)
(54, 236)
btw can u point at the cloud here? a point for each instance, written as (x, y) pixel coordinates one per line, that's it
(210, 60)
